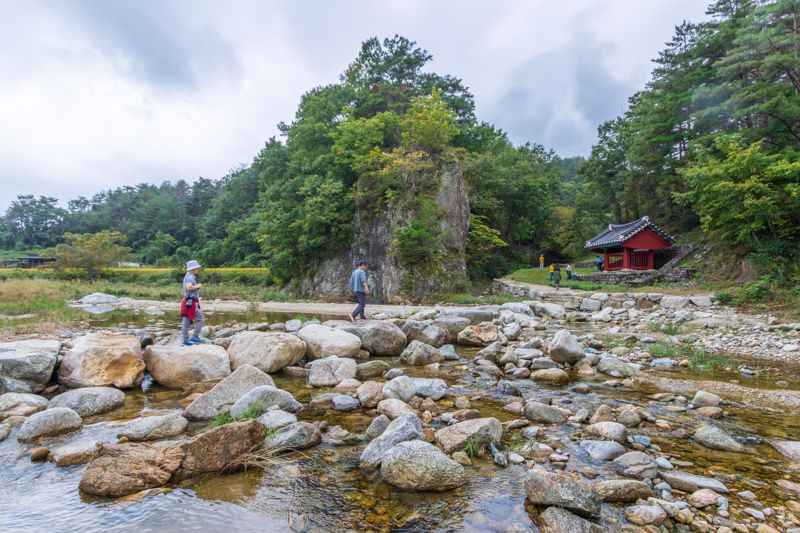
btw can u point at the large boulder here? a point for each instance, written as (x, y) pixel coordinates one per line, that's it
(103, 360)
(122, 469)
(89, 401)
(218, 448)
(399, 388)
(638, 465)
(561, 490)
(716, 439)
(482, 334)
(297, 436)
(48, 423)
(607, 431)
(370, 393)
(262, 398)
(558, 520)
(418, 465)
(225, 393)
(379, 337)
(371, 369)
(435, 389)
(452, 326)
(418, 353)
(545, 414)
(331, 371)
(267, 351)
(154, 427)
(21, 404)
(177, 366)
(323, 341)
(404, 428)
(564, 348)
(483, 431)
(425, 333)
(27, 366)
(548, 309)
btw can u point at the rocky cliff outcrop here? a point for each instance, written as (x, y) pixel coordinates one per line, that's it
(391, 278)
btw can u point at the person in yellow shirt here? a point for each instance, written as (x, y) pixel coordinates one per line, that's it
(552, 270)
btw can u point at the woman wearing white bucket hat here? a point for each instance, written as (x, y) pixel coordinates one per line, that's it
(190, 305)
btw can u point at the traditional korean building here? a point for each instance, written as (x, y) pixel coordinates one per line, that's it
(630, 246)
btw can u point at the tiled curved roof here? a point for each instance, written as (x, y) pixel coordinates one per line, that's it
(616, 234)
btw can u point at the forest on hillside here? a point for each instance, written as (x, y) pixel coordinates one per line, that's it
(710, 146)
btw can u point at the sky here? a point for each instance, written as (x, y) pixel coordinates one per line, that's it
(99, 94)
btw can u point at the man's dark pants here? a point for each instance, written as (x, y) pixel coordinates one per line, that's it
(361, 298)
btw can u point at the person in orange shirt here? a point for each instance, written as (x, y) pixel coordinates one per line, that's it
(541, 261)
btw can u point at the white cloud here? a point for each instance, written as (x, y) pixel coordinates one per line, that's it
(98, 95)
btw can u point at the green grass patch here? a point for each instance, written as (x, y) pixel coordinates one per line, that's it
(483, 299)
(254, 410)
(538, 276)
(221, 419)
(474, 446)
(668, 328)
(698, 359)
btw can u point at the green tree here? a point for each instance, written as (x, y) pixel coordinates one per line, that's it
(91, 252)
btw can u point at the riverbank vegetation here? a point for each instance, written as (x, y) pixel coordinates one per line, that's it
(709, 148)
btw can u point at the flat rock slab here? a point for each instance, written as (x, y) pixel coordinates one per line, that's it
(225, 393)
(123, 469)
(89, 401)
(175, 367)
(74, 453)
(562, 490)
(691, 482)
(154, 427)
(48, 423)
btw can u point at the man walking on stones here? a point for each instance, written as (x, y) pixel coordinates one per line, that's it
(190, 305)
(360, 290)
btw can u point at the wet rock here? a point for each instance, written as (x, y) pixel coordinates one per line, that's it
(101, 360)
(622, 490)
(418, 354)
(399, 388)
(371, 369)
(154, 427)
(343, 402)
(74, 453)
(564, 348)
(557, 520)
(5, 431)
(370, 393)
(436, 389)
(591, 305)
(276, 419)
(176, 366)
(268, 352)
(89, 401)
(716, 439)
(21, 404)
(425, 333)
(481, 334)
(491, 352)
(638, 465)
(225, 393)
(40, 453)
(218, 448)
(561, 490)
(128, 468)
(330, 371)
(98, 298)
(691, 482)
(602, 414)
(262, 398)
(788, 448)
(405, 428)
(297, 436)
(394, 408)
(705, 399)
(455, 437)
(615, 367)
(448, 352)
(463, 459)
(710, 412)
(629, 419)
(417, 465)
(378, 426)
(48, 423)
(556, 376)
(607, 431)
(646, 515)
(602, 450)
(379, 337)
(703, 498)
(545, 414)
(323, 341)
(26, 366)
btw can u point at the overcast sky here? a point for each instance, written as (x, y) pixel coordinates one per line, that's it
(95, 94)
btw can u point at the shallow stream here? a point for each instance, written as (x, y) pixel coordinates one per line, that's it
(322, 489)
